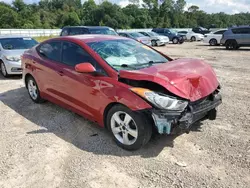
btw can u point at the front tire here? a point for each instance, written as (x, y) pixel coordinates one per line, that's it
(4, 70)
(33, 90)
(154, 43)
(175, 40)
(130, 129)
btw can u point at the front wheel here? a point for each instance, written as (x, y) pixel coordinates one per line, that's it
(175, 40)
(4, 70)
(129, 129)
(154, 43)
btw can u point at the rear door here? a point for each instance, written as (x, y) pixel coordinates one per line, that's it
(50, 71)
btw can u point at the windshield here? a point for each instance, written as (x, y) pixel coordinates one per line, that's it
(103, 31)
(172, 31)
(136, 35)
(126, 54)
(17, 43)
(153, 34)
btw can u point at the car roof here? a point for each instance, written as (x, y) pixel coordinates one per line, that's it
(89, 27)
(93, 37)
(241, 26)
(13, 36)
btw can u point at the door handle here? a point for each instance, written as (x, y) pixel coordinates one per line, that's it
(60, 73)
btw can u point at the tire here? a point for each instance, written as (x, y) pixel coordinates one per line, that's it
(3, 70)
(213, 42)
(154, 43)
(33, 90)
(231, 45)
(175, 40)
(193, 39)
(130, 130)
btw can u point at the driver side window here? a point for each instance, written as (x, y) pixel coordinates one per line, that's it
(73, 54)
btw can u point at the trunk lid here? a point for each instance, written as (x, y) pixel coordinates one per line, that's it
(188, 78)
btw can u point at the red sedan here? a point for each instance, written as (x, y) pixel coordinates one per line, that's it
(123, 85)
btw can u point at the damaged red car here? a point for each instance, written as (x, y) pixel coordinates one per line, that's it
(123, 85)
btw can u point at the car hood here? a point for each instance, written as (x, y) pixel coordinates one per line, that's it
(187, 78)
(16, 53)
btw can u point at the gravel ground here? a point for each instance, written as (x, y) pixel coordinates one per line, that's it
(43, 145)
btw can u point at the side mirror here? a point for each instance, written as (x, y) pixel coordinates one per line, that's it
(85, 68)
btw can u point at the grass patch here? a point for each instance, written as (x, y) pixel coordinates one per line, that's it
(41, 39)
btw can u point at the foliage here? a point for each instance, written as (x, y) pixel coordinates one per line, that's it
(60, 13)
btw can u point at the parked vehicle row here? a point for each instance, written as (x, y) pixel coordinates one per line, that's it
(118, 82)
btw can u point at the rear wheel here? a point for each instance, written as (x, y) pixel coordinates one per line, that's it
(231, 45)
(213, 42)
(4, 70)
(33, 90)
(129, 129)
(175, 40)
(193, 39)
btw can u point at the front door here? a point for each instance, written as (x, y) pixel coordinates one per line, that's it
(81, 90)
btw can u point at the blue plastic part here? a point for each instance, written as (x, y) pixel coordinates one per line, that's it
(163, 125)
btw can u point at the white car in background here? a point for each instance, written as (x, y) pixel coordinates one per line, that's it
(192, 36)
(214, 38)
(11, 50)
(156, 39)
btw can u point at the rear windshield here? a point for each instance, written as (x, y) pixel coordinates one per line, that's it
(103, 31)
(17, 43)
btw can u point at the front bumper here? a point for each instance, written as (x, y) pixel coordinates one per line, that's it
(13, 67)
(168, 122)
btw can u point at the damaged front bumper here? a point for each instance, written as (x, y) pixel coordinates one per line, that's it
(168, 122)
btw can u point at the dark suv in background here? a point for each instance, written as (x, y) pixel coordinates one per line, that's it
(172, 35)
(236, 37)
(82, 30)
(201, 30)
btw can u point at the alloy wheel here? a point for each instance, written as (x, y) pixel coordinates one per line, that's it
(32, 88)
(124, 128)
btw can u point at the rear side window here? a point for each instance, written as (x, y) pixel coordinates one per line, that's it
(78, 31)
(51, 50)
(220, 32)
(65, 32)
(241, 31)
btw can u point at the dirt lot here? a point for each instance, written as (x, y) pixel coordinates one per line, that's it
(47, 146)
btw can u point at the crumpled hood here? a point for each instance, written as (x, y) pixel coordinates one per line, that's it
(188, 78)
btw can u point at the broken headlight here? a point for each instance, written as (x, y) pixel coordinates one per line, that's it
(161, 101)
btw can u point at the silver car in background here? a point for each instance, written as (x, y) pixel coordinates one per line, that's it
(11, 50)
(137, 36)
(156, 39)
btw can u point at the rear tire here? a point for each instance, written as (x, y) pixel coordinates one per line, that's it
(213, 42)
(231, 45)
(193, 39)
(33, 90)
(4, 70)
(130, 129)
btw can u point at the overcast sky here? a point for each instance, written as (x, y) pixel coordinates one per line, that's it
(210, 6)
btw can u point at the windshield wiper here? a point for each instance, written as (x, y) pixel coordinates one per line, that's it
(125, 66)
